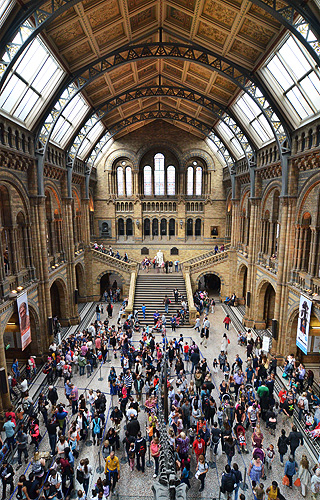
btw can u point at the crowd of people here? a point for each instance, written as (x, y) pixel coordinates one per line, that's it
(206, 421)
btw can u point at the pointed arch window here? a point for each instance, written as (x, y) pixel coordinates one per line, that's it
(120, 181)
(171, 181)
(198, 181)
(190, 181)
(159, 174)
(128, 181)
(147, 184)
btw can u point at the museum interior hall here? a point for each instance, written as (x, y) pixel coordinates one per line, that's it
(153, 145)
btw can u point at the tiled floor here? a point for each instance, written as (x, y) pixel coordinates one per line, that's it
(135, 484)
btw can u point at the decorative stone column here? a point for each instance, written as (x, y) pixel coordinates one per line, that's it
(72, 308)
(40, 254)
(252, 257)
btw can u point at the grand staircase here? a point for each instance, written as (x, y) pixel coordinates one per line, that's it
(151, 289)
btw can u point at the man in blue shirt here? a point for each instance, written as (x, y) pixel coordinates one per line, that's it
(143, 309)
(9, 428)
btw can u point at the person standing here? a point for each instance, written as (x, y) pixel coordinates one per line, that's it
(304, 475)
(227, 321)
(294, 439)
(7, 475)
(74, 397)
(87, 472)
(202, 469)
(290, 469)
(315, 485)
(282, 445)
(238, 476)
(9, 428)
(98, 312)
(155, 453)
(140, 448)
(166, 302)
(228, 481)
(22, 442)
(143, 309)
(52, 434)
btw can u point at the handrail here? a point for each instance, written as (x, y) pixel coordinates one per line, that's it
(132, 289)
(206, 256)
(121, 264)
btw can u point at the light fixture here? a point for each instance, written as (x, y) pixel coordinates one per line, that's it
(13, 294)
(19, 288)
(123, 163)
(11, 324)
(181, 223)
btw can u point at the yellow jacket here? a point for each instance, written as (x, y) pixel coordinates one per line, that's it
(112, 464)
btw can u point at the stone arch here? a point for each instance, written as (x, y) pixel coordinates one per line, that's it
(197, 276)
(174, 149)
(108, 278)
(265, 302)
(59, 297)
(242, 276)
(80, 281)
(309, 185)
(116, 155)
(199, 153)
(274, 185)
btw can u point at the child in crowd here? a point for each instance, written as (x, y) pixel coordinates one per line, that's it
(270, 454)
(215, 365)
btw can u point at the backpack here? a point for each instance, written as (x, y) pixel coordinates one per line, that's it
(229, 483)
(142, 450)
(96, 426)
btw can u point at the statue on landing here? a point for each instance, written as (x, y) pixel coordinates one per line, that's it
(159, 258)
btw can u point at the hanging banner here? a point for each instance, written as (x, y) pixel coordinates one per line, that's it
(304, 323)
(24, 320)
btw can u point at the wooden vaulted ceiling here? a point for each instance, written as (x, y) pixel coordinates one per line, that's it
(236, 29)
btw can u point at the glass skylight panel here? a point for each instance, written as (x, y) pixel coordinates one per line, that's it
(69, 120)
(299, 78)
(251, 115)
(32, 78)
(280, 73)
(90, 139)
(293, 56)
(5, 8)
(230, 139)
(299, 103)
(216, 151)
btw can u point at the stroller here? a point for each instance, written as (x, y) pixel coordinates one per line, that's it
(241, 438)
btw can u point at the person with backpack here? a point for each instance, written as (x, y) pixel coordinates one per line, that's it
(166, 302)
(140, 448)
(96, 429)
(22, 442)
(282, 445)
(238, 477)
(201, 472)
(228, 482)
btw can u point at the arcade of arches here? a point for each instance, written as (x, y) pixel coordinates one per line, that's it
(168, 151)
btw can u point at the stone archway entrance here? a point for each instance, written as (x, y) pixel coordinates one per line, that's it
(58, 300)
(269, 303)
(210, 282)
(111, 280)
(80, 282)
